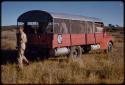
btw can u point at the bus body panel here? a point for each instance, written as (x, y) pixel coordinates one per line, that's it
(51, 40)
(107, 38)
(99, 37)
(80, 39)
(65, 40)
(90, 39)
(77, 39)
(69, 40)
(42, 40)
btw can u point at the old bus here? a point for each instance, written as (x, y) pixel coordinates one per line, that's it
(63, 34)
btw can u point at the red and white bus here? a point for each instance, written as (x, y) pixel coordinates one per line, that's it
(63, 34)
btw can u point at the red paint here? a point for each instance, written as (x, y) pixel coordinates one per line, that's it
(65, 41)
(90, 39)
(50, 40)
(77, 39)
(40, 39)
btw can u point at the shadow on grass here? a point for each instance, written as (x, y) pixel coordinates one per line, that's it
(10, 56)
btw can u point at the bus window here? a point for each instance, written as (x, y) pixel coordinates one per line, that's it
(63, 28)
(32, 27)
(89, 27)
(42, 27)
(99, 29)
(82, 26)
(20, 23)
(56, 28)
(75, 27)
(49, 28)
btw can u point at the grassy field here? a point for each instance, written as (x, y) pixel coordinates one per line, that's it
(95, 67)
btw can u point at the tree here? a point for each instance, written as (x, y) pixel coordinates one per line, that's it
(111, 26)
(117, 25)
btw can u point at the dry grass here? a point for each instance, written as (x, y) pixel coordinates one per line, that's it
(8, 39)
(95, 67)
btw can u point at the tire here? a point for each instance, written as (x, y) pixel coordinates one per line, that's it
(75, 52)
(110, 47)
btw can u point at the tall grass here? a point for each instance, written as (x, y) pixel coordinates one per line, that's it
(94, 67)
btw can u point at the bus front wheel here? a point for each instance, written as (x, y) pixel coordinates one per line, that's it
(109, 48)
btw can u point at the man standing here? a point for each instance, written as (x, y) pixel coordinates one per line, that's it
(22, 40)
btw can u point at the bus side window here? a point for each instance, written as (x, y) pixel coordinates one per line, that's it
(76, 27)
(90, 27)
(82, 27)
(99, 29)
(87, 27)
(56, 28)
(49, 28)
(63, 28)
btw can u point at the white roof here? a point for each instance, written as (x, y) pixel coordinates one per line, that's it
(74, 17)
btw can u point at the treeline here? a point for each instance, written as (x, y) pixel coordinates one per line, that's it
(9, 27)
(113, 29)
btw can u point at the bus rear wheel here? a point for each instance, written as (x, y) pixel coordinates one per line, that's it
(75, 52)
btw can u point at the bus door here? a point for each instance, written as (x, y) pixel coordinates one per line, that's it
(99, 32)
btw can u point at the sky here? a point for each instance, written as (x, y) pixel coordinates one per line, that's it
(110, 12)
